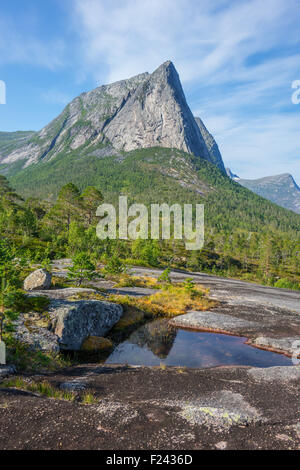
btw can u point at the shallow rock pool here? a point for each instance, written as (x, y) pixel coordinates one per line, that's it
(158, 343)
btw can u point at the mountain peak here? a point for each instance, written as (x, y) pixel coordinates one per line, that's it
(167, 71)
(168, 64)
(281, 189)
(147, 110)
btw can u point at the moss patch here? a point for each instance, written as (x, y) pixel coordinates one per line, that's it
(95, 343)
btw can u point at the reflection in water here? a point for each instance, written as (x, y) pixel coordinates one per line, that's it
(158, 343)
(158, 336)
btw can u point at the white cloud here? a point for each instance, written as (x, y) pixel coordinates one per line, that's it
(257, 147)
(206, 39)
(19, 46)
(54, 96)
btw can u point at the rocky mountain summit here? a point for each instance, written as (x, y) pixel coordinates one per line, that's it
(281, 189)
(148, 110)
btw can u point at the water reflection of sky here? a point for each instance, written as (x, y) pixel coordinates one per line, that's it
(196, 349)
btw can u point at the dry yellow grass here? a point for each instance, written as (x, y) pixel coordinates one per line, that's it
(89, 398)
(170, 301)
(125, 280)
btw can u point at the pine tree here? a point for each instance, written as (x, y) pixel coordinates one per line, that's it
(82, 269)
(68, 208)
(91, 198)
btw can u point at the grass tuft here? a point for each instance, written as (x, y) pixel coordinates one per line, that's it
(89, 398)
(42, 388)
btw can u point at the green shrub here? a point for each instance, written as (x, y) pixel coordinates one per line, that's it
(287, 284)
(165, 276)
(114, 266)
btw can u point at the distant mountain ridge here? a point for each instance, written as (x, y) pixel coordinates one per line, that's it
(148, 110)
(281, 189)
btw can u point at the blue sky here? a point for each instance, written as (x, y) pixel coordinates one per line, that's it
(237, 61)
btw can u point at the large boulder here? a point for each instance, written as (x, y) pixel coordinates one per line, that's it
(38, 280)
(73, 322)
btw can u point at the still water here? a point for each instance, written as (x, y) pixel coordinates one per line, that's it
(159, 343)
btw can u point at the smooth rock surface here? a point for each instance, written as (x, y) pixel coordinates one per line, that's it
(288, 344)
(38, 280)
(212, 321)
(221, 410)
(65, 293)
(276, 374)
(192, 409)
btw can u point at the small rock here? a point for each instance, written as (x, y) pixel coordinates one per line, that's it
(6, 371)
(95, 343)
(72, 386)
(39, 279)
(221, 445)
(283, 437)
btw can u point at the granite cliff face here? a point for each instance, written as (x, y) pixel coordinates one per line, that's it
(211, 145)
(157, 114)
(148, 110)
(281, 189)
